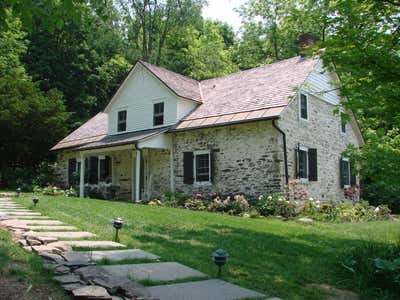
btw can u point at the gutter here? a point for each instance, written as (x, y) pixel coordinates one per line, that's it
(284, 151)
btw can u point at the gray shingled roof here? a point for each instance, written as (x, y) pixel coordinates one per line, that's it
(183, 86)
(258, 93)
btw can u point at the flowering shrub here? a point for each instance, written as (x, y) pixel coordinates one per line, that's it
(276, 204)
(173, 199)
(195, 204)
(295, 192)
(154, 202)
(71, 192)
(52, 191)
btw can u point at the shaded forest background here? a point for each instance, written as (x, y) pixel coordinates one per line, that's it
(61, 61)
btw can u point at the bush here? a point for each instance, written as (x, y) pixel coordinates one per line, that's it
(52, 191)
(195, 204)
(173, 199)
(276, 204)
(373, 266)
(71, 192)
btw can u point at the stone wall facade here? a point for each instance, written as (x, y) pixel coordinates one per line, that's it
(156, 173)
(322, 131)
(247, 158)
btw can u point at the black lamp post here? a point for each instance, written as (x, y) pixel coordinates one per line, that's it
(18, 191)
(118, 222)
(35, 200)
(220, 258)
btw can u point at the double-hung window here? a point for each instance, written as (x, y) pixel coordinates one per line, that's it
(307, 164)
(303, 107)
(303, 163)
(158, 114)
(343, 122)
(122, 114)
(202, 166)
(345, 172)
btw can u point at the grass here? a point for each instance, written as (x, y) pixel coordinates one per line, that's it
(268, 255)
(22, 275)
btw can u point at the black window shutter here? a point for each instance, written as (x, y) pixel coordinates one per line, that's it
(353, 178)
(93, 170)
(312, 165)
(212, 164)
(188, 167)
(296, 162)
(341, 173)
(71, 170)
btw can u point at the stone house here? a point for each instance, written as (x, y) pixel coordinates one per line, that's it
(248, 132)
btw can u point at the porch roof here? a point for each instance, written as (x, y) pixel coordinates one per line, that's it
(123, 139)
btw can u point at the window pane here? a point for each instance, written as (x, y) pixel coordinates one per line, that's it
(71, 171)
(105, 169)
(303, 164)
(203, 167)
(122, 120)
(343, 122)
(158, 114)
(303, 106)
(346, 172)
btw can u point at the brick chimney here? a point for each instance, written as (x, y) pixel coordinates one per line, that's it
(306, 41)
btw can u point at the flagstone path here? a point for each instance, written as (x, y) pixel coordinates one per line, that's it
(29, 225)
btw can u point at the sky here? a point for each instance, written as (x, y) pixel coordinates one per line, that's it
(223, 10)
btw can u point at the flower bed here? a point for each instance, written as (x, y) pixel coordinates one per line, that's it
(292, 203)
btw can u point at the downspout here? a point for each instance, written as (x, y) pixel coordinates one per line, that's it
(284, 151)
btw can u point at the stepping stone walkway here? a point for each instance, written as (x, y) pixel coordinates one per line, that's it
(213, 289)
(163, 271)
(83, 279)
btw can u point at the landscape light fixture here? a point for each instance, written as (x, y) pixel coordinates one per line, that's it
(118, 222)
(220, 258)
(18, 191)
(35, 200)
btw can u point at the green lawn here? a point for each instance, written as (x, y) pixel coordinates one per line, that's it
(272, 256)
(22, 275)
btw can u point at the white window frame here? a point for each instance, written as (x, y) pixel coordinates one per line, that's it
(154, 113)
(307, 106)
(200, 152)
(126, 120)
(348, 164)
(345, 125)
(305, 149)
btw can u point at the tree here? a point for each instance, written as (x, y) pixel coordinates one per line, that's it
(208, 55)
(26, 113)
(150, 22)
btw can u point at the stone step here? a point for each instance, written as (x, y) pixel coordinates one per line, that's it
(26, 223)
(213, 289)
(6, 211)
(66, 246)
(116, 255)
(28, 217)
(162, 271)
(21, 214)
(51, 228)
(90, 244)
(61, 234)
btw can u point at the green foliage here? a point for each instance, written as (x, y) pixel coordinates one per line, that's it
(375, 268)
(209, 55)
(173, 199)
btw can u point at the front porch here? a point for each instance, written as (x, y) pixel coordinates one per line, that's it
(136, 171)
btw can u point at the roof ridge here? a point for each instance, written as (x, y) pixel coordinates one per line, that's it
(165, 69)
(254, 68)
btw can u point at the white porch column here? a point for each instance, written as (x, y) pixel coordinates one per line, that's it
(171, 171)
(137, 178)
(82, 177)
(133, 172)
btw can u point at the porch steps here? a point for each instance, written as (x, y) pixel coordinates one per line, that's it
(115, 255)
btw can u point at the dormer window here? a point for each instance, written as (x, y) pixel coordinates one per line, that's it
(303, 107)
(121, 121)
(158, 114)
